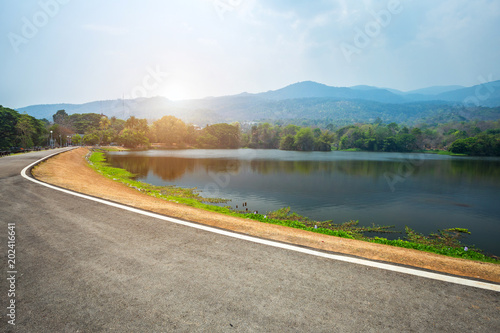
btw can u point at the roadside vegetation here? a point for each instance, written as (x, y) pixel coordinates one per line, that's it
(445, 242)
(20, 131)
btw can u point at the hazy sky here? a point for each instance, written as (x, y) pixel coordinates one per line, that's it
(76, 51)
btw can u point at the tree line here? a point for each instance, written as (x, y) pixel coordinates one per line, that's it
(465, 137)
(471, 138)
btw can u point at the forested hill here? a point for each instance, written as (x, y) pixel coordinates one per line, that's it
(307, 100)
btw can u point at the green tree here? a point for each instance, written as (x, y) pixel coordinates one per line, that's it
(132, 138)
(140, 125)
(304, 139)
(481, 145)
(77, 140)
(290, 130)
(393, 128)
(227, 136)
(265, 136)
(170, 130)
(117, 124)
(207, 140)
(25, 130)
(86, 122)
(62, 118)
(390, 144)
(135, 133)
(405, 142)
(287, 142)
(8, 131)
(91, 138)
(323, 142)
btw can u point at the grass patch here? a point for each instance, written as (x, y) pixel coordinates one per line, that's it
(436, 152)
(350, 149)
(445, 242)
(440, 152)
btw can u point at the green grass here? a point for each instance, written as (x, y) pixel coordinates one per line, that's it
(437, 152)
(444, 242)
(440, 152)
(350, 149)
(110, 148)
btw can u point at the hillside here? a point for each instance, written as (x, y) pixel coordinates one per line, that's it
(306, 100)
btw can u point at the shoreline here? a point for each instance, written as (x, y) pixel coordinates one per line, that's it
(70, 170)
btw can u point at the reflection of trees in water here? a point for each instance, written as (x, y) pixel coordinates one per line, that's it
(475, 168)
(220, 165)
(172, 168)
(451, 169)
(137, 166)
(353, 167)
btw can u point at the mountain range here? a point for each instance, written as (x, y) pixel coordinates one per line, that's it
(306, 100)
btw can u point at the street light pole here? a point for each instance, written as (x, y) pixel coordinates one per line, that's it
(51, 141)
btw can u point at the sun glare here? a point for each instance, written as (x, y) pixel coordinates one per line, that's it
(176, 92)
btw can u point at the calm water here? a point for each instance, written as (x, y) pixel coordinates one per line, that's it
(426, 192)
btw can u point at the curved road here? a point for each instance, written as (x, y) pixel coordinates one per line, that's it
(82, 266)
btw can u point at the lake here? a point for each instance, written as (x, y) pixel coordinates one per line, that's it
(426, 192)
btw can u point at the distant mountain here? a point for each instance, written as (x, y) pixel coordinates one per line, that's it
(309, 89)
(436, 90)
(141, 107)
(364, 87)
(306, 100)
(46, 111)
(487, 94)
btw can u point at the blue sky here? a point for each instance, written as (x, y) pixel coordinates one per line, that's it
(75, 51)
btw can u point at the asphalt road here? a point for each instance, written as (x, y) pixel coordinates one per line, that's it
(82, 266)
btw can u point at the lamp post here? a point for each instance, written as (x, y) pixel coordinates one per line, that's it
(60, 141)
(51, 141)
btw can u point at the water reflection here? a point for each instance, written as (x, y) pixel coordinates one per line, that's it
(173, 168)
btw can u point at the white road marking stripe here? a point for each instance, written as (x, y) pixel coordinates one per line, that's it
(364, 262)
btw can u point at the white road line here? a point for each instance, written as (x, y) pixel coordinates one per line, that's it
(364, 262)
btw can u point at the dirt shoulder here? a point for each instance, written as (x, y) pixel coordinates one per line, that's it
(70, 170)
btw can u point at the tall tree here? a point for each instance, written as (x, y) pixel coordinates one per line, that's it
(8, 121)
(134, 133)
(170, 130)
(304, 139)
(62, 118)
(26, 131)
(226, 136)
